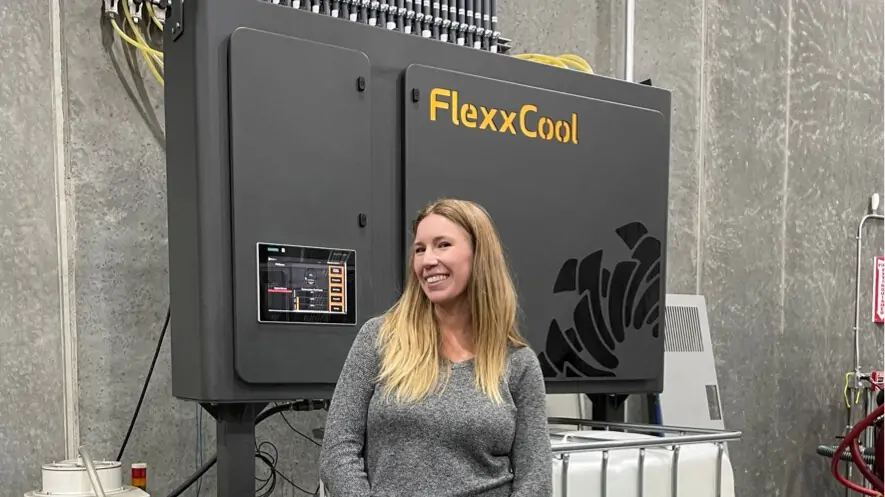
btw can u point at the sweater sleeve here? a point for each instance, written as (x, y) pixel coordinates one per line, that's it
(531, 456)
(342, 464)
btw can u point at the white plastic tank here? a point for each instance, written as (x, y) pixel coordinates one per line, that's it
(71, 479)
(696, 469)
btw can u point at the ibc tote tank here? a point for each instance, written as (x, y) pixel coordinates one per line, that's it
(696, 469)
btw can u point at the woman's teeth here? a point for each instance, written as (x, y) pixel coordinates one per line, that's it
(436, 278)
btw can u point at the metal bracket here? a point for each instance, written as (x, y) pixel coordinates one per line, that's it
(176, 19)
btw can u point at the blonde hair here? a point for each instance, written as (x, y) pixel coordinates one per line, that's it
(409, 336)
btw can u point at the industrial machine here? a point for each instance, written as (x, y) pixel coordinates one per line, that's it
(302, 138)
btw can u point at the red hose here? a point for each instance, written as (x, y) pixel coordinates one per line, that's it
(851, 440)
(862, 466)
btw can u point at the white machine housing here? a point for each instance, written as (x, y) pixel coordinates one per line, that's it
(71, 479)
(691, 386)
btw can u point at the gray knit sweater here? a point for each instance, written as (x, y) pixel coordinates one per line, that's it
(457, 443)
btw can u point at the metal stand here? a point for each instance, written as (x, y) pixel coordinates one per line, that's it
(235, 447)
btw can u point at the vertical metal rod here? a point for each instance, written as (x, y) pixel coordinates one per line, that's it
(462, 19)
(334, 12)
(407, 21)
(603, 490)
(382, 13)
(675, 472)
(427, 19)
(486, 24)
(493, 44)
(630, 21)
(453, 21)
(469, 20)
(373, 8)
(720, 450)
(445, 22)
(477, 23)
(642, 472)
(434, 22)
(859, 238)
(400, 15)
(564, 482)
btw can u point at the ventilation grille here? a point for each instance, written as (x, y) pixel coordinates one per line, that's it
(682, 329)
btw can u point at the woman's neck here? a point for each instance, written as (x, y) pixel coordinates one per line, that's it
(456, 333)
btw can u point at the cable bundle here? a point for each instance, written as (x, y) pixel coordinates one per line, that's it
(565, 61)
(152, 56)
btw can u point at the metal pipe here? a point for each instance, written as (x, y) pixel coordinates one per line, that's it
(453, 21)
(435, 20)
(565, 460)
(407, 19)
(675, 477)
(462, 20)
(90, 469)
(720, 451)
(487, 24)
(643, 443)
(634, 427)
(469, 20)
(641, 472)
(382, 13)
(477, 24)
(859, 238)
(400, 15)
(445, 23)
(426, 19)
(493, 44)
(604, 477)
(630, 21)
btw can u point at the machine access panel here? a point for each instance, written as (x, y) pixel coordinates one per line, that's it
(578, 190)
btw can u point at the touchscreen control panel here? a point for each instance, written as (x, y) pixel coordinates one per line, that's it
(299, 284)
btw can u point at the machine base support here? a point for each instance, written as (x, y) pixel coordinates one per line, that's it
(608, 408)
(235, 448)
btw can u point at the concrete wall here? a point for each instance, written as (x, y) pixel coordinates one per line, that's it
(777, 142)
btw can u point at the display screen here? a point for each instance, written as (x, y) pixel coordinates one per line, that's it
(298, 284)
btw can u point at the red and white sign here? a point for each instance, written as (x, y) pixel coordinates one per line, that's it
(879, 290)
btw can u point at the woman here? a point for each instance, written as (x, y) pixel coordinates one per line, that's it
(441, 396)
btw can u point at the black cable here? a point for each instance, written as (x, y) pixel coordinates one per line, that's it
(270, 483)
(309, 439)
(144, 387)
(305, 405)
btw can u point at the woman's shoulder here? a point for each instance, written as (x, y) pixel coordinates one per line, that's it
(522, 360)
(369, 331)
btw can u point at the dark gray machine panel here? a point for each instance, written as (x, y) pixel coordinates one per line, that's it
(300, 179)
(577, 189)
(256, 116)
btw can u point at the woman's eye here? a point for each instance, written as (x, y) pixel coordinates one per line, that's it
(418, 250)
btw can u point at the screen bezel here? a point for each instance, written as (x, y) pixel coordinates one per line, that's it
(348, 318)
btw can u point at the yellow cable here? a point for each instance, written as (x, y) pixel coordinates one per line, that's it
(128, 39)
(153, 15)
(565, 61)
(144, 51)
(848, 375)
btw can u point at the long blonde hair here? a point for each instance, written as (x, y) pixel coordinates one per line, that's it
(409, 336)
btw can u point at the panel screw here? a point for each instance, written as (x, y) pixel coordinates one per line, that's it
(362, 219)
(416, 95)
(360, 84)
